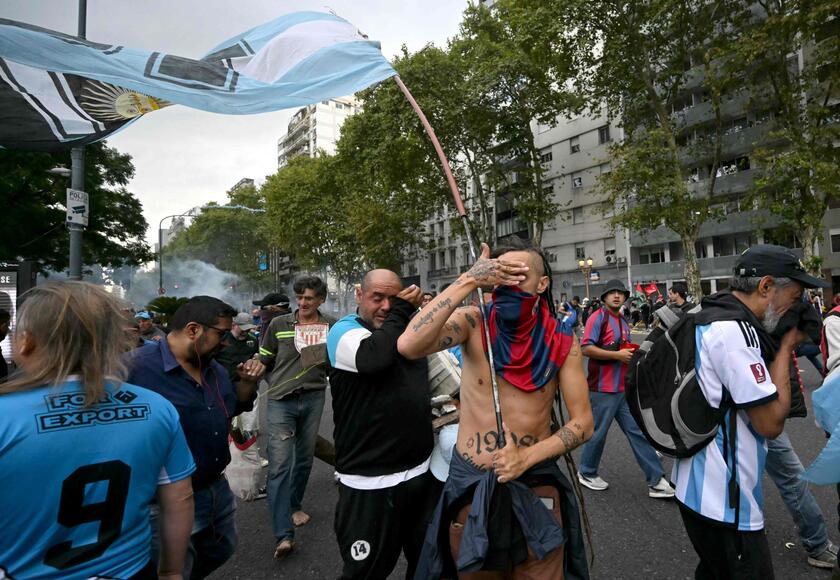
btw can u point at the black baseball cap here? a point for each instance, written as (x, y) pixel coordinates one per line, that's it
(777, 261)
(272, 299)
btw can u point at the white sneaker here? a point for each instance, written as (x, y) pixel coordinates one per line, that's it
(593, 483)
(661, 490)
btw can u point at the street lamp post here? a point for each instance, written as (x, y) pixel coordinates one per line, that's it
(77, 179)
(586, 267)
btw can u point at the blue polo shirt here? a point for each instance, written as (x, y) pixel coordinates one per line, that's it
(204, 410)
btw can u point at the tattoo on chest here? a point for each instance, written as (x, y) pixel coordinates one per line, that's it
(429, 316)
(568, 437)
(488, 442)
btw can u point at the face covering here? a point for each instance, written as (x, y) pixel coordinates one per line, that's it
(529, 345)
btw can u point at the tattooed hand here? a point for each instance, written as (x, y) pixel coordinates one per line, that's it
(496, 272)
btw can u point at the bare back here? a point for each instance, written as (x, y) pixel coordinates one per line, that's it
(526, 414)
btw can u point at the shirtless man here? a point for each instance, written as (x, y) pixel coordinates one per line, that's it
(529, 367)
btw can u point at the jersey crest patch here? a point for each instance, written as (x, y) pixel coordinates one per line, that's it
(310, 334)
(758, 372)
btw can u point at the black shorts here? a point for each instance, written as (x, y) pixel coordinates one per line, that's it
(373, 526)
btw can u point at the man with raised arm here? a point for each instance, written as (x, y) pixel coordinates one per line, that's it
(488, 518)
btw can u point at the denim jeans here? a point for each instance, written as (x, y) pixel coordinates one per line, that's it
(213, 539)
(605, 408)
(292, 430)
(784, 468)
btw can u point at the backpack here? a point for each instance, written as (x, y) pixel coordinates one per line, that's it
(663, 393)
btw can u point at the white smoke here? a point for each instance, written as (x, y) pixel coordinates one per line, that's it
(187, 278)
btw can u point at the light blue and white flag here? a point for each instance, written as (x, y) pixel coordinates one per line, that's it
(58, 91)
(825, 469)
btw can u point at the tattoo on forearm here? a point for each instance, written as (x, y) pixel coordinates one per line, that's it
(568, 437)
(446, 342)
(430, 315)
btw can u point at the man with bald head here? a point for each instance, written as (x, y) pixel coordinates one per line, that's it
(383, 432)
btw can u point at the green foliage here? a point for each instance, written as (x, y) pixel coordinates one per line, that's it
(231, 239)
(35, 199)
(519, 67)
(789, 57)
(166, 306)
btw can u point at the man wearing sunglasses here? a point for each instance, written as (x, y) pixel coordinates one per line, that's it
(181, 368)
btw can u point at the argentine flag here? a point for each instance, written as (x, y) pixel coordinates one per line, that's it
(825, 469)
(58, 91)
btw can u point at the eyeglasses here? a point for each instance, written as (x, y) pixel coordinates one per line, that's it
(221, 331)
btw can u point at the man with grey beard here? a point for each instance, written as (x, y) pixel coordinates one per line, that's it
(722, 512)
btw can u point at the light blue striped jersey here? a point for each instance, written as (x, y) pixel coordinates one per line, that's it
(728, 362)
(77, 481)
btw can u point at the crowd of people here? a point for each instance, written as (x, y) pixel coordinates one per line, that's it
(136, 419)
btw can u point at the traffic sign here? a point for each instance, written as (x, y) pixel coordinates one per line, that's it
(77, 207)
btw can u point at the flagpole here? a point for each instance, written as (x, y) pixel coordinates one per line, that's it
(459, 205)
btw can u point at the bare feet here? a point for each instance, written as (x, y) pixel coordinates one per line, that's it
(300, 519)
(284, 548)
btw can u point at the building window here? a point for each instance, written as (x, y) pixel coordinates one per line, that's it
(453, 261)
(835, 241)
(700, 249)
(574, 145)
(580, 252)
(577, 215)
(442, 259)
(652, 255)
(432, 262)
(546, 157)
(605, 168)
(577, 181)
(339, 105)
(604, 134)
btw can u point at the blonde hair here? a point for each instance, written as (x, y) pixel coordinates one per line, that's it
(75, 328)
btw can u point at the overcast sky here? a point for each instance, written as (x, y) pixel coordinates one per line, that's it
(185, 157)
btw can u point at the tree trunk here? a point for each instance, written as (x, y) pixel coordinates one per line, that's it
(692, 268)
(808, 235)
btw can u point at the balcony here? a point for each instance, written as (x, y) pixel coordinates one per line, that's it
(717, 267)
(745, 221)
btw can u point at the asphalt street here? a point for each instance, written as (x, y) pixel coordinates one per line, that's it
(633, 536)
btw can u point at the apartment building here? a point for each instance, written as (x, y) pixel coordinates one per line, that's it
(315, 127)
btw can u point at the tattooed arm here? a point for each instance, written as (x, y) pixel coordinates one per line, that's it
(512, 461)
(441, 324)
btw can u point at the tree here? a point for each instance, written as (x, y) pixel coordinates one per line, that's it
(228, 237)
(637, 59)
(789, 58)
(35, 199)
(520, 70)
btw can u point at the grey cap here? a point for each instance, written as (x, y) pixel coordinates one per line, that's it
(244, 321)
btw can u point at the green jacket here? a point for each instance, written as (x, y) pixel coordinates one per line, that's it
(280, 351)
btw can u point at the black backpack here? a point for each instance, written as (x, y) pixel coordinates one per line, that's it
(663, 392)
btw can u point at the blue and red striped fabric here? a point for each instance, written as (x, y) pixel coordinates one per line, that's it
(605, 377)
(529, 345)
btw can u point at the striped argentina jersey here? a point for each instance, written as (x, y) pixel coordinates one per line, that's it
(728, 358)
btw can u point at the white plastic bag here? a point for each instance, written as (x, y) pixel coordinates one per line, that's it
(244, 472)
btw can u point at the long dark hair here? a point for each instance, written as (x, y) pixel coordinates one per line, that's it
(517, 244)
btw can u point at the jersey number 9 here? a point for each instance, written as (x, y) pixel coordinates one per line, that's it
(73, 511)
